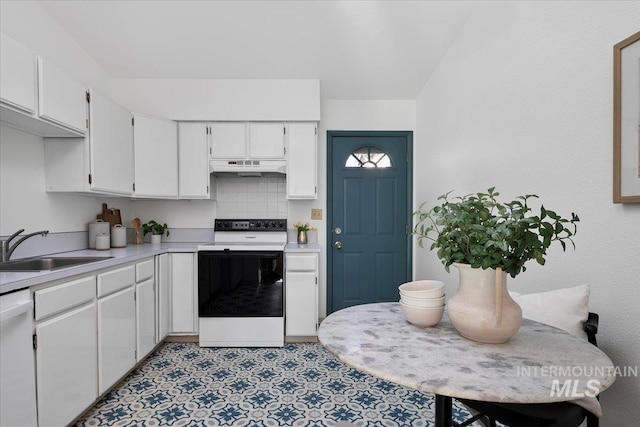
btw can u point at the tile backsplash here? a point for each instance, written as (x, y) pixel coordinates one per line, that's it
(251, 197)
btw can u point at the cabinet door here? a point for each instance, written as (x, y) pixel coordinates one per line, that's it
(183, 313)
(302, 161)
(302, 304)
(228, 140)
(193, 161)
(66, 365)
(156, 157)
(163, 296)
(145, 318)
(18, 71)
(116, 337)
(61, 98)
(266, 140)
(110, 146)
(17, 374)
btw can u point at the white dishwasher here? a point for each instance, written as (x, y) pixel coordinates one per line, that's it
(17, 371)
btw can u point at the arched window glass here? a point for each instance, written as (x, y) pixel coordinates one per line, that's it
(368, 157)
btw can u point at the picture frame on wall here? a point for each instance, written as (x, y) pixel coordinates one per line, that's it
(626, 120)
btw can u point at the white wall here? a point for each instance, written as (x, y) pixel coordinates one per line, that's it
(523, 101)
(210, 99)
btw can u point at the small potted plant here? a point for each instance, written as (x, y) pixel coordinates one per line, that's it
(302, 232)
(487, 239)
(156, 230)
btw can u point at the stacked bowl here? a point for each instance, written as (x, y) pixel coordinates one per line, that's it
(422, 302)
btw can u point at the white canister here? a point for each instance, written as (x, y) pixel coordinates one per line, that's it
(96, 228)
(102, 242)
(118, 236)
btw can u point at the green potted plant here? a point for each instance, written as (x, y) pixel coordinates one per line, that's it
(487, 239)
(156, 229)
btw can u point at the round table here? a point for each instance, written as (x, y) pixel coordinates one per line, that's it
(539, 364)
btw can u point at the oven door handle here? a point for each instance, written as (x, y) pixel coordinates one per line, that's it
(250, 236)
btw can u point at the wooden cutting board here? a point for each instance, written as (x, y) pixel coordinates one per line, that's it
(115, 217)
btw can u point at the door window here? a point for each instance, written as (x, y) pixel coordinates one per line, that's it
(368, 157)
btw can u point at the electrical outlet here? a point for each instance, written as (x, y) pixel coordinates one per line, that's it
(316, 213)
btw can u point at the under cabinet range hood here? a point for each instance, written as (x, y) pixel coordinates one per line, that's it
(248, 167)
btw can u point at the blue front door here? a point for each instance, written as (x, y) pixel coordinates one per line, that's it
(369, 217)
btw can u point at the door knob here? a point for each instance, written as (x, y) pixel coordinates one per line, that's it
(338, 245)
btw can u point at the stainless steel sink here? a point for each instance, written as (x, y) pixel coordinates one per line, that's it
(47, 263)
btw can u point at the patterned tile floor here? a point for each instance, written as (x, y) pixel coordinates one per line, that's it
(298, 385)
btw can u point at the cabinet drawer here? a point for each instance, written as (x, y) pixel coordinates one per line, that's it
(65, 296)
(144, 270)
(115, 280)
(301, 263)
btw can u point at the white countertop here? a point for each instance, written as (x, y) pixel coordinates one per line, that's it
(309, 247)
(12, 281)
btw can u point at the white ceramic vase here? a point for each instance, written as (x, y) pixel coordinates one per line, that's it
(156, 239)
(481, 309)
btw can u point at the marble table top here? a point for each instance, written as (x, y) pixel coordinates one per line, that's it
(376, 339)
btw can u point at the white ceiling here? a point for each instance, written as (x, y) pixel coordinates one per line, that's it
(358, 49)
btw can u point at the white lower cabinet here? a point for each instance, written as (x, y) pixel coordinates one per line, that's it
(17, 376)
(301, 317)
(116, 326)
(145, 309)
(183, 294)
(163, 296)
(66, 354)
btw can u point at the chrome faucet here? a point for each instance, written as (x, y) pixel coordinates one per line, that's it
(7, 249)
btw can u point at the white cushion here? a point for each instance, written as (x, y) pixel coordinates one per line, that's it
(566, 309)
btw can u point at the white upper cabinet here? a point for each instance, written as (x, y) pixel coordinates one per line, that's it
(111, 146)
(18, 71)
(156, 157)
(228, 140)
(100, 163)
(193, 160)
(62, 100)
(38, 97)
(302, 175)
(266, 140)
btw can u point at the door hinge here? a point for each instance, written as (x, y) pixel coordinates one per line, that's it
(207, 130)
(285, 151)
(35, 341)
(134, 187)
(284, 129)
(90, 179)
(210, 151)
(207, 189)
(315, 190)
(88, 96)
(316, 280)
(315, 130)
(87, 124)
(132, 121)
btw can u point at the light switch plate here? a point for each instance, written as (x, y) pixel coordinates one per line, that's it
(316, 213)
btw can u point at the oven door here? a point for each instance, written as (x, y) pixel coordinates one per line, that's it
(240, 284)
